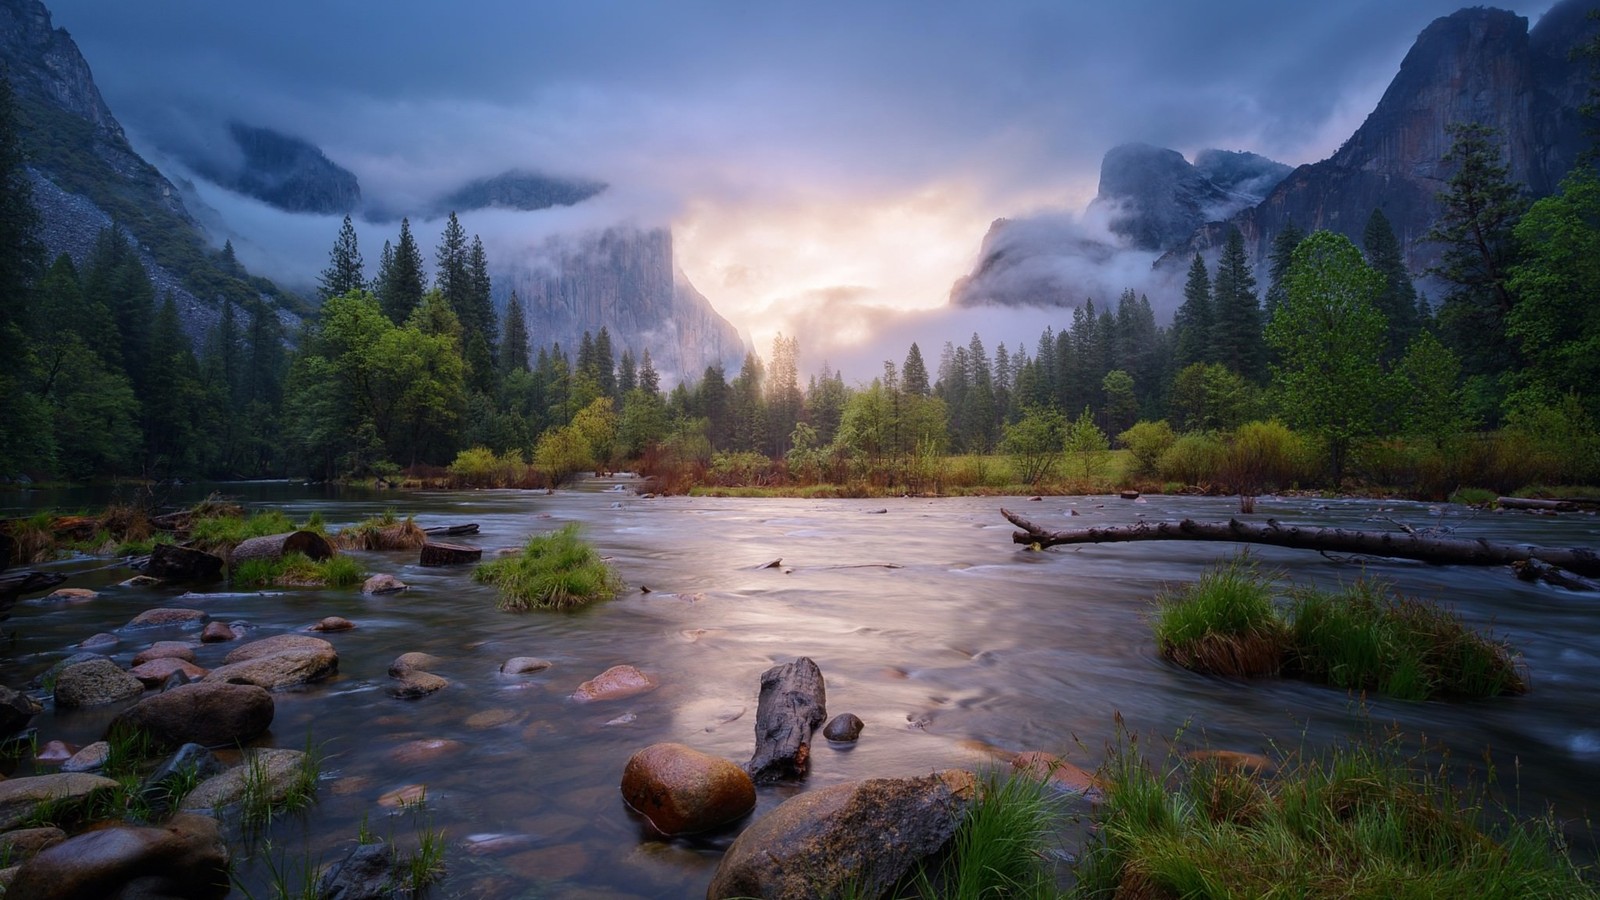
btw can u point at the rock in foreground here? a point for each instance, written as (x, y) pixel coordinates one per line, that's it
(854, 839)
(184, 858)
(683, 791)
(209, 714)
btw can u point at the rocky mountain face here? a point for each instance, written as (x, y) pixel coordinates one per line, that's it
(1150, 199)
(528, 191)
(1156, 198)
(1476, 65)
(626, 280)
(285, 171)
(86, 175)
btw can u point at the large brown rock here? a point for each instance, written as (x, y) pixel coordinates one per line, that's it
(614, 683)
(682, 791)
(156, 672)
(170, 562)
(281, 661)
(95, 683)
(183, 858)
(165, 650)
(208, 713)
(860, 836)
(19, 797)
(167, 616)
(24, 843)
(275, 772)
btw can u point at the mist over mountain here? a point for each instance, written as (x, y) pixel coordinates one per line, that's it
(285, 171)
(526, 191)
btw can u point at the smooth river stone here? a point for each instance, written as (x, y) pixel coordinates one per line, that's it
(614, 683)
(410, 795)
(425, 750)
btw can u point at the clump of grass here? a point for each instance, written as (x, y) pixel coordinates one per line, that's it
(1358, 821)
(558, 570)
(33, 539)
(385, 532)
(1471, 496)
(998, 851)
(221, 533)
(263, 799)
(1363, 637)
(1224, 624)
(1367, 638)
(298, 570)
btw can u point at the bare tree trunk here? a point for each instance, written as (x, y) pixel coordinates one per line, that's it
(274, 546)
(1427, 548)
(793, 703)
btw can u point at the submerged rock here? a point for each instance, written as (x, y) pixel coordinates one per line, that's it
(333, 623)
(278, 662)
(406, 663)
(614, 683)
(167, 616)
(383, 584)
(681, 790)
(368, 872)
(858, 837)
(217, 633)
(16, 709)
(165, 650)
(1052, 768)
(523, 665)
(418, 683)
(89, 759)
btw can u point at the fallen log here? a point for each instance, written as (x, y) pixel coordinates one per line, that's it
(18, 583)
(1543, 505)
(274, 546)
(1423, 547)
(439, 553)
(793, 703)
(170, 562)
(1534, 570)
(452, 530)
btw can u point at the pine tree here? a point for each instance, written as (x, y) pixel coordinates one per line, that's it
(978, 420)
(452, 273)
(1480, 209)
(1282, 255)
(1236, 313)
(1398, 302)
(627, 373)
(481, 294)
(649, 380)
(605, 366)
(401, 277)
(514, 350)
(1191, 325)
(914, 373)
(345, 272)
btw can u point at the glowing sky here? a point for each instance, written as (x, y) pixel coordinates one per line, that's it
(819, 162)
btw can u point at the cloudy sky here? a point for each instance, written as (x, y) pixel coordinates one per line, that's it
(840, 156)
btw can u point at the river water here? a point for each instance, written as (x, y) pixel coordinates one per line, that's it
(926, 620)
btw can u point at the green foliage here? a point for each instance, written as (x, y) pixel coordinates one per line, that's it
(212, 533)
(263, 799)
(558, 570)
(1236, 327)
(1358, 821)
(1554, 442)
(1265, 456)
(1193, 459)
(1034, 443)
(1084, 442)
(296, 570)
(1224, 624)
(479, 467)
(1147, 442)
(1210, 397)
(742, 469)
(1327, 335)
(1433, 407)
(1554, 322)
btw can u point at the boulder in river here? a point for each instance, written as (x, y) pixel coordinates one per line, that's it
(184, 857)
(212, 714)
(157, 618)
(89, 759)
(275, 771)
(382, 584)
(20, 797)
(439, 553)
(614, 683)
(524, 665)
(858, 837)
(170, 562)
(281, 661)
(681, 790)
(165, 650)
(95, 683)
(843, 728)
(157, 672)
(217, 633)
(367, 872)
(417, 683)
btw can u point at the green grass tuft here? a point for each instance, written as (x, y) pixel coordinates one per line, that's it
(297, 570)
(558, 570)
(1224, 624)
(225, 531)
(1360, 821)
(1366, 638)
(998, 852)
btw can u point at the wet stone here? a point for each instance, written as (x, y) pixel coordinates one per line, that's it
(165, 650)
(217, 633)
(156, 618)
(524, 665)
(844, 728)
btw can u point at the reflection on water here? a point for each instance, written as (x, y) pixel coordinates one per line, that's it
(927, 622)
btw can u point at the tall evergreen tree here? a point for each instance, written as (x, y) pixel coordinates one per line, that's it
(914, 373)
(1481, 207)
(1283, 244)
(1191, 325)
(346, 271)
(514, 351)
(977, 414)
(649, 379)
(452, 272)
(1236, 313)
(605, 364)
(627, 373)
(785, 402)
(480, 296)
(402, 280)
(1398, 302)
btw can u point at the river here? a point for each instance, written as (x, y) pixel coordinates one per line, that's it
(926, 620)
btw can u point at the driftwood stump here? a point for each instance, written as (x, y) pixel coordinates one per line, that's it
(452, 530)
(275, 546)
(438, 553)
(793, 703)
(170, 562)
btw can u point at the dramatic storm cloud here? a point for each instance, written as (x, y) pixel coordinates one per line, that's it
(821, 163)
